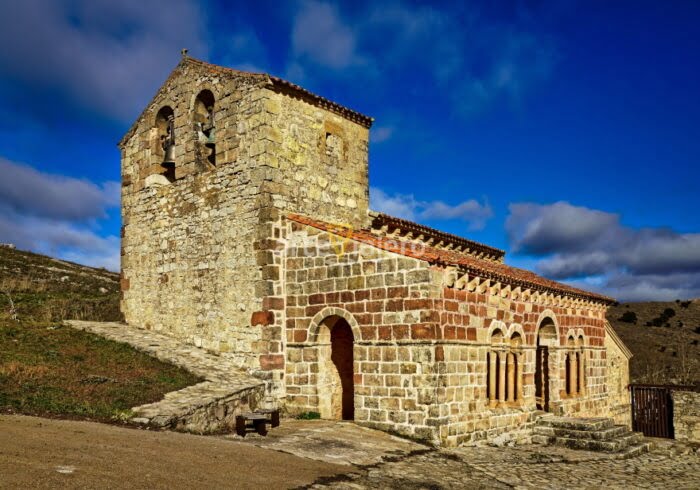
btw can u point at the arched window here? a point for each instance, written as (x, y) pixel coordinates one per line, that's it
(504, 369)
(204, 107)
(164, 147)
(514, 369)
(495, 369)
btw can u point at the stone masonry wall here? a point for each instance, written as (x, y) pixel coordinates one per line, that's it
(618, 374)
(197, 251)
(188, 267)
(686, 415)
(321, 160)
(316, 164)
(382, 295)
(468, 320)
(420, 347)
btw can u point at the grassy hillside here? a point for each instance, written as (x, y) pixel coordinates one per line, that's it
(664, 338)
(47, 289)
(47, 368)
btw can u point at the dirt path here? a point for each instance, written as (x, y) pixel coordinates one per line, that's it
(44, 453)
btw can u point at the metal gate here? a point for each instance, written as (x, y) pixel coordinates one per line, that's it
(652, 410)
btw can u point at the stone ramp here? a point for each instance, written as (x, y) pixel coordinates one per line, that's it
(591, 434)
(207, 407)
(333, 441)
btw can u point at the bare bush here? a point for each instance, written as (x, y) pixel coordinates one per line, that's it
(13, 310)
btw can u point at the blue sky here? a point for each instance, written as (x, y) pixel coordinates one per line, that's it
(564, 132)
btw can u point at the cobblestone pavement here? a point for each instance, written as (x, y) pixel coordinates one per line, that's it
(222, 378)
(524, 467)
(383, 461)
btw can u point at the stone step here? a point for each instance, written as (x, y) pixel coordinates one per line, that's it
(589, 424)
(603, 434)
(636, 450)
(614, 445)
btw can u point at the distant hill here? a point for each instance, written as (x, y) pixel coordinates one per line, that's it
(664, 338)
(47, 289)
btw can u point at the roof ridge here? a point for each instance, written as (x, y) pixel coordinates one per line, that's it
(273, 82)
(451, 236)
(282, 85)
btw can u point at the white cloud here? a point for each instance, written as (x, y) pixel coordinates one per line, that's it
(57, 215)
(519, 60)
(475, 59)
(110, 57)
(28, 191)
(577, 243)
(380, 134)
(401, 206)
(244, 51)
(320, 36)
(407, 207)
(540, 229)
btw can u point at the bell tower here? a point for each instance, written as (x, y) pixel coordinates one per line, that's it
(213, 163)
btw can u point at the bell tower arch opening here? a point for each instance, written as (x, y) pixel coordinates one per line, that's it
(204, 124)
(165, 144)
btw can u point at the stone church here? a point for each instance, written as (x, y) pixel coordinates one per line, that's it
(247, 232)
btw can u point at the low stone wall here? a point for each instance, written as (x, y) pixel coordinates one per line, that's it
(686, 415)
(202, 409)
(207, 407)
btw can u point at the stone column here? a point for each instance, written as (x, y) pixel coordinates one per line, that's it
(501, 377)
(510, 367)
(572, 373)
(519, 376)
(492, 375)
(581, 358)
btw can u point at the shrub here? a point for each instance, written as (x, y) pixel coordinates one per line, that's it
(629, 317)
(309, 416)
(662, 319)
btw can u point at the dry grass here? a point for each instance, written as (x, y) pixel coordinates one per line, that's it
(666, 347)
(47, 368)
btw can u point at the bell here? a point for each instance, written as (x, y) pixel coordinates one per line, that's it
(169, 157)
(211, 140)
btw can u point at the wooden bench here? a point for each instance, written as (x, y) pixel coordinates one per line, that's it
(259, 420)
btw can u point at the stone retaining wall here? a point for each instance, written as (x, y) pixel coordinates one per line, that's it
(686, 415)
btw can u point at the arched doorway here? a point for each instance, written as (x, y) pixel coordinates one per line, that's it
(336, 390)
(546, 338)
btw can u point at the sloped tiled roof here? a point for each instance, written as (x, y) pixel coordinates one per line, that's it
(285, 86)
(483, 268)
(381, 219)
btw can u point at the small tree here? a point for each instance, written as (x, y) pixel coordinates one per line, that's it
(629, 317)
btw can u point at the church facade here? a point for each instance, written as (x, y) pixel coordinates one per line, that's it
(247, 231)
